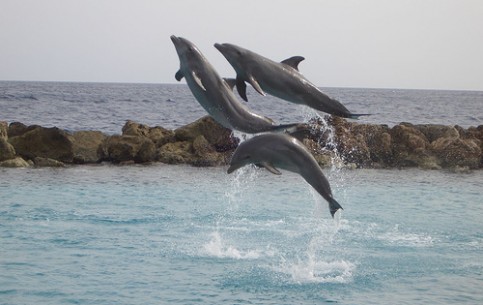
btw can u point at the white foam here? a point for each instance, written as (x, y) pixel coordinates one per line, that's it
(313, 271)
(218, 248)
(406, 239)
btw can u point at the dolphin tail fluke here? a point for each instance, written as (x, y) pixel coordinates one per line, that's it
(334, 206)
(356, 116)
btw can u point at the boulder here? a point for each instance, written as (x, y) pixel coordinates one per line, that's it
(472, 133)
(125, 148)
(205, 154)
(17, 129)
(15, 162)
(3, 130)
(44, 142)
(86, 146)
(408, 145)
(7, 151)
(220, 137)
(146, 153)
(453, 152)
(180, 152)
(157, 134)
(432, 132)
(46, 162)
(375, 141)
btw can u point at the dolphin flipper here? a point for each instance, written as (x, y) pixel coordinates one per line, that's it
(334, 206)
(179, 75)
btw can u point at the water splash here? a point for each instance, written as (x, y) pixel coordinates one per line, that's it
(318, 259)
(241, 182)
(324, 135)
(396, 237)
(312, 271)
(317, 263)
(217, 247)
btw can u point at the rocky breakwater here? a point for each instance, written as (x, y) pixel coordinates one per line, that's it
(206, 143)
(201, 143)
(426, 146)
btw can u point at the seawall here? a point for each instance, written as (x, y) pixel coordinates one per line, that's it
(204, 142)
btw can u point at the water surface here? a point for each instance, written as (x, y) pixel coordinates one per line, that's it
(168, 234)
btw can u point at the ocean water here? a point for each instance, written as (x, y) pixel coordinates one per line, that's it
(106, 107)
(164, 234)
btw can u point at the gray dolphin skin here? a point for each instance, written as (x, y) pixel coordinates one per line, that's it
(215, 95)
(283, 151)
(282, 80)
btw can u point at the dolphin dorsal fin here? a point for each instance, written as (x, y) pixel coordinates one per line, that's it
(271, 168)
(198, 80)
(231, 82)
(293, 61)
(179, 75)
(241, 87)
(255, 85)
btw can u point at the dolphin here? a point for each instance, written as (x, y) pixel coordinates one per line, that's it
(215, 94)
(282, 80)
(273, 150)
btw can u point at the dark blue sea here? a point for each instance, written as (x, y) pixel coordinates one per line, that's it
(106, 107)
(165, 234)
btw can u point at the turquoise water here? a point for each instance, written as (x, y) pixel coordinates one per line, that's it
(164, 234)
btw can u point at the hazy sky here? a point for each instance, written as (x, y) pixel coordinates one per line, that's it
(433, 44)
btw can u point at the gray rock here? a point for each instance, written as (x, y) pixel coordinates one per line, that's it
(15, 162)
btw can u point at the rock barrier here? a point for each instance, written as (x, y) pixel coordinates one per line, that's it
(206, 143)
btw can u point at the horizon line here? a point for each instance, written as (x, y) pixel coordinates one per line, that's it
(184, 83)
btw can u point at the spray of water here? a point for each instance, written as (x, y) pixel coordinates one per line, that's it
(314, 261)
(220, 248)
(320, 126)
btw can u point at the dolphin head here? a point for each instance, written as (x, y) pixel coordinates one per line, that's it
(234, 54)
(242, 156)
(185, 48)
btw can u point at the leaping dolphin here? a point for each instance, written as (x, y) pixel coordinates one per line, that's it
(215, 95)
(283, 151)
(282, 80)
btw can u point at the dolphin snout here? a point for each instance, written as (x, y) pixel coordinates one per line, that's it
(174, 39)
(221, 47)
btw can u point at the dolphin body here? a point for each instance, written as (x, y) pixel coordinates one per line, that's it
(215, 95)
(282, 80)
(273, 150)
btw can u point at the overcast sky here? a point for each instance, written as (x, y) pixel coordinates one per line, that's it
(431, 44)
